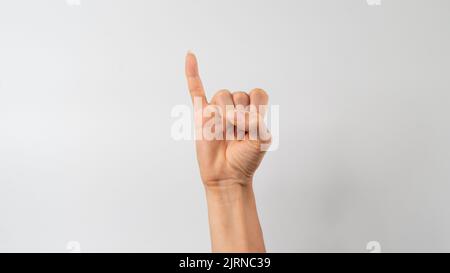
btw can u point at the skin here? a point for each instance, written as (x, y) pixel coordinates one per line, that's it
(227, 166)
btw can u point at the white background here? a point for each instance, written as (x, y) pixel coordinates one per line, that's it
(86, 93)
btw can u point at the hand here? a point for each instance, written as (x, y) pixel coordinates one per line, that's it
(225, 162)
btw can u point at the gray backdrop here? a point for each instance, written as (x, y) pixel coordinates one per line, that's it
(86, 93)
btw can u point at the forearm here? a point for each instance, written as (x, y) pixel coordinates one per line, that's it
(233, 218)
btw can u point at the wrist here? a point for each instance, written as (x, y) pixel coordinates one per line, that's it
(226, 185)
(226, 191)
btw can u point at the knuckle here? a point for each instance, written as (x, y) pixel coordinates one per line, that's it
(222, 93)
(239, 93)
(259, 92)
